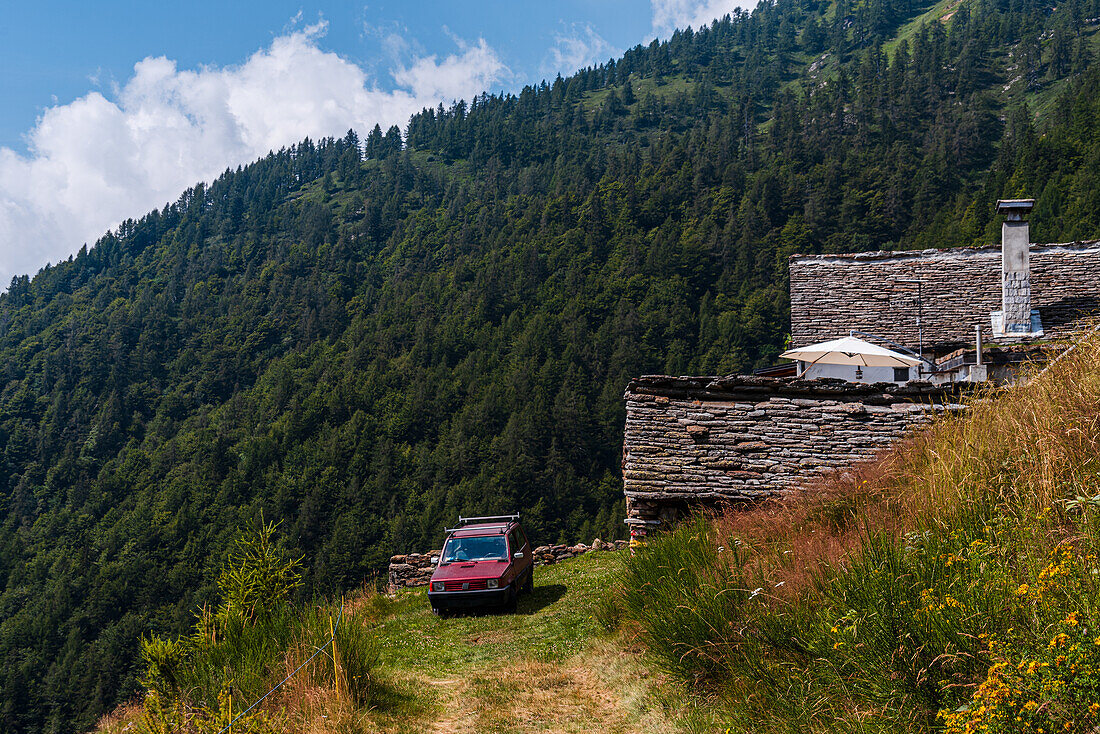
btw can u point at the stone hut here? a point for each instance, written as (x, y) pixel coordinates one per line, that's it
(694, 441)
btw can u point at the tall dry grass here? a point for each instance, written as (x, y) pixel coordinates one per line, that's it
(333, 692)
(1023, 447)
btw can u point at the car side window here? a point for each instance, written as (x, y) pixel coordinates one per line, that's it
(521, 537)
(513, 543)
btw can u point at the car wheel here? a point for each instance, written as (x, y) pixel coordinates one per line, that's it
(510, 605)
(529, 583)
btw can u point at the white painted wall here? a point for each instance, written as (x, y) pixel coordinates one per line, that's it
(848, 372)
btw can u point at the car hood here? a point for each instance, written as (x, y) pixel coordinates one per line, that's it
(470, 570)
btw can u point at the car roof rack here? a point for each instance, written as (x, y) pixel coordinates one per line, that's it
(464, 521)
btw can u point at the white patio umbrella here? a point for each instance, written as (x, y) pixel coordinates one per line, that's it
(853, 351)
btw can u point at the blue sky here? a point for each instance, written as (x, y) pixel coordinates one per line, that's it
(112, 108)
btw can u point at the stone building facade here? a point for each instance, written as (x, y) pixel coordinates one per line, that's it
(959, 288)
(696, 440)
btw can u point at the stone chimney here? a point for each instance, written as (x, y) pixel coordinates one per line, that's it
(1015, 317)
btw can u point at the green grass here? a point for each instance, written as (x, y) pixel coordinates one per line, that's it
(906, 32)
(1043, 102)
(664, 90)
(552, 666)
(554, 623)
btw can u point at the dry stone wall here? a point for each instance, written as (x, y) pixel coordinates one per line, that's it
(691, 440)
(831, 294)
(415, 569)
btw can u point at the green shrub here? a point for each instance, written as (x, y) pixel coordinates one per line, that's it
(164, 662)
(257, 579)
(236, 654)
(1043, 676)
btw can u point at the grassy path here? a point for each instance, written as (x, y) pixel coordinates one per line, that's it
(547, 668)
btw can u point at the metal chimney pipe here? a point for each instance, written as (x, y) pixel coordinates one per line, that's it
(978, 344)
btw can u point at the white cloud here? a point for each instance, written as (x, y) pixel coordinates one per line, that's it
(578, 48)
(477, 67)
(668, 15)
(98, 160)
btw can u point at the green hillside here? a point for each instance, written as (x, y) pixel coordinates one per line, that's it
(364, 337)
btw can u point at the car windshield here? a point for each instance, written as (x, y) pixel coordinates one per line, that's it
(490, 548)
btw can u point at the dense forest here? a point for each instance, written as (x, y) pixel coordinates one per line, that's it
(361, 338)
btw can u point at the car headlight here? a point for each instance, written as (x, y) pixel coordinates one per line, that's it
(493, 583)
(437, 586)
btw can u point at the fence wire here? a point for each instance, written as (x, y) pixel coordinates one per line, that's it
(278, 685)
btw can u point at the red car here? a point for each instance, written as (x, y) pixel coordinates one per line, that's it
(486, 561)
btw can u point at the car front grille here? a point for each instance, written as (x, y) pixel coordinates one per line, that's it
(472, 585)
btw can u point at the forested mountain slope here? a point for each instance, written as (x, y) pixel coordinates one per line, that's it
(363, 338)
